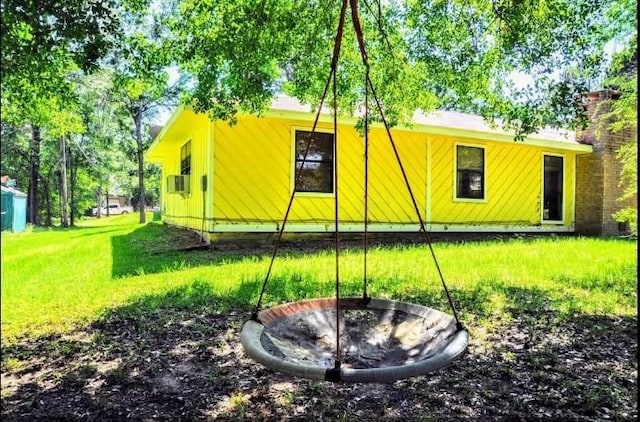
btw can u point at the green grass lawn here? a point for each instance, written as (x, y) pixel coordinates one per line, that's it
(112, 320)
(55, 280)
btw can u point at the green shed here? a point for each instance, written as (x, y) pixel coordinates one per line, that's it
(14, 209)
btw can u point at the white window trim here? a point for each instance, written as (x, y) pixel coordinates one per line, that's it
(292, 181)
(455, 173)
(564, 188)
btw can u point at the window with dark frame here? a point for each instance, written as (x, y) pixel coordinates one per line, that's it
(469, 172)
(185, 158)
(316, 175)
(185, 167)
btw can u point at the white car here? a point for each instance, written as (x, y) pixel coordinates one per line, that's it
(114, 209)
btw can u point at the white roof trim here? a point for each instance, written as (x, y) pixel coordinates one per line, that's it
(449, 123)
(149, 154)
(452, 123)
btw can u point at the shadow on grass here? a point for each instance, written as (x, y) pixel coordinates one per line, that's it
(155, 248)
(93, 231)
(177, 356)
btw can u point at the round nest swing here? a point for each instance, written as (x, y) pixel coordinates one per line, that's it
(353, 339)
(381, 340)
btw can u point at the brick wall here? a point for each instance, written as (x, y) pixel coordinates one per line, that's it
(589, 188)
(598, 186)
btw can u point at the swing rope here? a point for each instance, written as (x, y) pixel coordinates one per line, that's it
(436, 348)
(335, 179)
(366, 186)
(369, 90)
(298, 178)
(363, 53)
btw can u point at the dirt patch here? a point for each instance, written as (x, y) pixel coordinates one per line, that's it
(189, 365)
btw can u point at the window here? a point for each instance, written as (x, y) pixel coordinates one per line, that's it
(185, 158)
(181, 183)
(317, 172)
(469, 172)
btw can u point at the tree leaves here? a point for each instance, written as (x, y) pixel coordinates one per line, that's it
(423, 54)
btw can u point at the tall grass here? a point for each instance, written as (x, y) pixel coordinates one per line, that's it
(54, 280)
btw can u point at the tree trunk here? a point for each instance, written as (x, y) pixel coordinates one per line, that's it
(140, 155)
(99, 202)
(64, 204)
(106, 194)
(73, 176)
(47, 201)
(34, 175)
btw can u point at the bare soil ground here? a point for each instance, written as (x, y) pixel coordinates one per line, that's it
(186, 363)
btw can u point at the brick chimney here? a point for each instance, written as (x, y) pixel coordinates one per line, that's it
(598, 174)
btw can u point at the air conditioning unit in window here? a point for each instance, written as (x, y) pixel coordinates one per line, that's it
(178, 183)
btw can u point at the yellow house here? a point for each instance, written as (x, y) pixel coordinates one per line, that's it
(465, 175)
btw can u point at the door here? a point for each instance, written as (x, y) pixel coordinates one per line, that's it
(552, 198)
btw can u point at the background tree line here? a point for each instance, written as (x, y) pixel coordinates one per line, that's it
(83, 80)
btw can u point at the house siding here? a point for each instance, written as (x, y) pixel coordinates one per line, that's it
(513, 180)
(253, 171)
(250, 168)
(186, 210)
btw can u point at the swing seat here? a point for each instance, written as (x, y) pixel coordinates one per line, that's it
(381, 340)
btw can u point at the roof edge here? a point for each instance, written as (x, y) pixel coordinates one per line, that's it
(174, 116)
(288, 107)
(496, 136)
